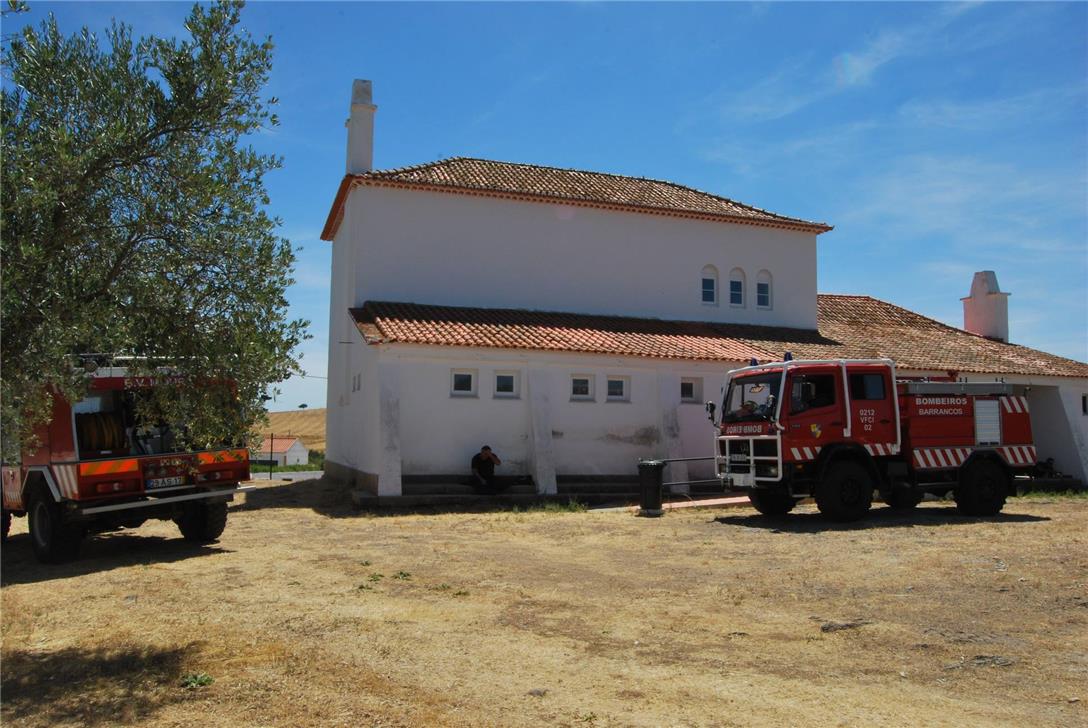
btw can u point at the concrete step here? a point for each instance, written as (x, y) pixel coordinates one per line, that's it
(626, 489)
(365, 500)
(462, 489)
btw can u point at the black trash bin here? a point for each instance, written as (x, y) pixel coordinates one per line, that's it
(651, 475)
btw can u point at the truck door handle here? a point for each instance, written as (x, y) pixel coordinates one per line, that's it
(836, 424)
(884, 422)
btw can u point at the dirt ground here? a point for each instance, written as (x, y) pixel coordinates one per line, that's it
(307, 613)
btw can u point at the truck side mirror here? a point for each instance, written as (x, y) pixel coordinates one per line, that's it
(710, 409)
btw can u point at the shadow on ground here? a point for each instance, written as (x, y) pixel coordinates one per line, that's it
(102, 686)
(100, 552)
(334, 501)
(879, 517)
(320, 496)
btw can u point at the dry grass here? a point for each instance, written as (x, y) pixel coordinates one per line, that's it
(307, 424)
(309, 614)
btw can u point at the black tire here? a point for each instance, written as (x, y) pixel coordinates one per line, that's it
(203, 522)
(846, 491)
(5, 521)
(53, 540)
(771, 502)
(904, 498)
(983, 489)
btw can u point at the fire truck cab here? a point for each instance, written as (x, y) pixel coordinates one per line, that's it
(94, 469)
(840, 430)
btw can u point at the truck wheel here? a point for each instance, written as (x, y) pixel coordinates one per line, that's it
(771, 502)
(983, 490)
(203, 522)
(5, 516)
(53, 540)
(903, 499)
(846, 491)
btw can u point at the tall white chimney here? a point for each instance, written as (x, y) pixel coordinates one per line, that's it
(986, 310)
(360, 128)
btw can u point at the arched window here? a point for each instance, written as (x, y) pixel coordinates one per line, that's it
(710, 285)
(763, 289)
(736, 288)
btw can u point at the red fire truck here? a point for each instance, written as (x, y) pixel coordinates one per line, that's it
(838, 430)
(95, 469)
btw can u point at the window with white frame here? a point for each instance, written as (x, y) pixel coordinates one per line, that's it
(710, 285)
(619, 389)
(463, 382)
(763, 289)
(736, 288)
(691, 389)
(507, 385)
(581, 387)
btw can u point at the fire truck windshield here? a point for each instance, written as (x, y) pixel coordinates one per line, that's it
(751, 398)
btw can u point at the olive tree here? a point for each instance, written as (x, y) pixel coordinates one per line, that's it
(135, 224)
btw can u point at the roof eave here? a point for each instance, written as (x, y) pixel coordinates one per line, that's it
(336, 214)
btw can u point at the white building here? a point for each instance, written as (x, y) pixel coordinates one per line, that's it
(575, 321)
(285, 450)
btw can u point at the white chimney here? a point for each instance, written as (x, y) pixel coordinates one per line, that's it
(986, 310)
(360, 128)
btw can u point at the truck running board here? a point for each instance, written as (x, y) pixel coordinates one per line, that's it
(161, 501)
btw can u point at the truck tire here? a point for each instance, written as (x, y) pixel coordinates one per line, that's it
(5, 516)
(904, 498)
(53, 540)
(203, 522)
(846, 491)
(771, 502)
(983, 489)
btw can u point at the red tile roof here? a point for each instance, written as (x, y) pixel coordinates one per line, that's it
(282, 444)
(850, 327)
(532, 182)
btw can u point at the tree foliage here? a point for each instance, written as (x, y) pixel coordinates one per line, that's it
(134, 220)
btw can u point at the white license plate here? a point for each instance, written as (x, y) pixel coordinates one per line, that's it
(165, 482)
(738, 458)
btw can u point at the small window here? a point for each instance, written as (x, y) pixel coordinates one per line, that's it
(506, 385)
(710, 285)
(463, 382)
(866, 386)
(710, 291)
(812, 391)
(736, 288)
(619, 389)
(763, 290)
(691, 389)
(581, 386)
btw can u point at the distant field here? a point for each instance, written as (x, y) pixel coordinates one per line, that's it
(309, 424)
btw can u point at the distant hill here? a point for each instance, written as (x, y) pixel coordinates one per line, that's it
(308, 424)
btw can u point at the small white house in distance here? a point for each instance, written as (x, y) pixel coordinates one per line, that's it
(284, 450)
(576, 321)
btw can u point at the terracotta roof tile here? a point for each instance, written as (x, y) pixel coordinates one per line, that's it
(282, 444)
(850, 327)
(534, 182)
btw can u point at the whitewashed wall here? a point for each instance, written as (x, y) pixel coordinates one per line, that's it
(461, 250)
(1058, 424)
(440, 432)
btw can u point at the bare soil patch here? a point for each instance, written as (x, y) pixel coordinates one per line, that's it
(308, 613)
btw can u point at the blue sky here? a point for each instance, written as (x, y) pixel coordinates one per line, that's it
(938, 139)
